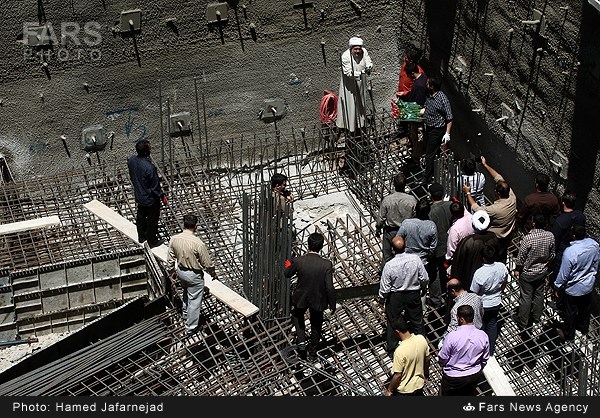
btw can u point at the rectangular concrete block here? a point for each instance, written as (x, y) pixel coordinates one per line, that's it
(109, 290)
(81, 296)
(79, 274)
(106, 268)
(55, 301)
(52, 279)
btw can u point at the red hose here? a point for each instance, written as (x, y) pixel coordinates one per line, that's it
(328, 107)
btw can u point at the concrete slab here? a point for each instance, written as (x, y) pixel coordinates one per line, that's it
(497, 379)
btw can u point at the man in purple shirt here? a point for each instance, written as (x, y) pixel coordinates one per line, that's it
(463, 356)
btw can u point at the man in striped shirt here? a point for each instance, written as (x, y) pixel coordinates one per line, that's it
(192, 259)
(437, 116)
(534, 263)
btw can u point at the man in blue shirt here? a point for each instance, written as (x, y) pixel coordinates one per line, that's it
(575, 281)
(148, 193)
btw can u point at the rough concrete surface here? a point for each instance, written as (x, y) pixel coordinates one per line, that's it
(490, 54)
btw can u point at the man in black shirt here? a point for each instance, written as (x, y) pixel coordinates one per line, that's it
(148, 193)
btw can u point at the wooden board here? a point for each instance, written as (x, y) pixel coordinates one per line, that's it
(216, 288)
(497, 379)
(29, 224)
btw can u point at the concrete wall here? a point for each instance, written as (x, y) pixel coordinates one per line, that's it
(552, 94)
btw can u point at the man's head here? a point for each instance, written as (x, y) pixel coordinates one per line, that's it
(422, 209)
(468, 166)
(480, 221)
(578, 232)
(412, 70)
(278, 181)
(315, 242)
(143, 148)
(436, 191)
(356, 44)
(399, 324)
(398, 244)
(400, 182)
(568, 199)
(412, 54)
(502, 189)
(457, 210)
(542, 181)
(540, 221)
(190, 221)
(454, 287)
(434, 84)
(465, 314)
(488, 253)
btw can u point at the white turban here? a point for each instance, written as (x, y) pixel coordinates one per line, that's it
(481, 220)
(355, 41)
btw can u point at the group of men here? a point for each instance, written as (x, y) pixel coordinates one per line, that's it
(428, 137)
(437, 251)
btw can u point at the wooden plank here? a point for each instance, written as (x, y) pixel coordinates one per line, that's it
(29, 224)
(216, 288)
(497, 379)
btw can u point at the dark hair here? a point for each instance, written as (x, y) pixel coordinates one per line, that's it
(398, 323)
(413, 54)
(315, 242)
(435, 83)
(468, 166)
(488, 253)
(540, 220)
(466, 312)
(437, 195)
(422, 209)
(142, 148)
(190, 221)
(457, 210)
(278, 179)
(578, 231)
(399, 182)
(502, 188)
(542, 181)
(569, 198)
(455, 285)
(411, 67)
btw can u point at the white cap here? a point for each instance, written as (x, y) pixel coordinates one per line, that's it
(481, 220)
(355, 41)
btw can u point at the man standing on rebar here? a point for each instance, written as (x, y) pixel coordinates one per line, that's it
(314, 292)
(352, 98)
(148, 193)
(437, 116)
(411, 362)
(280, 194)
(463, 356)
(540, 201)
(502, 213)
(442, 217)
(576, 280)
(394, 208)
(403, 281)
(193, 259)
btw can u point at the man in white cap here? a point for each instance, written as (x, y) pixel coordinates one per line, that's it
(352, 97)
(468, 256)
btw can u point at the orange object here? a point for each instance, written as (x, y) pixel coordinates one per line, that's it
(287, 264)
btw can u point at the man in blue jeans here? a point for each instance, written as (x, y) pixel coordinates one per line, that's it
(192, 260)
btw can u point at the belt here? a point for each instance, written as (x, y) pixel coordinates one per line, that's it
(391, 228)
(197, 271)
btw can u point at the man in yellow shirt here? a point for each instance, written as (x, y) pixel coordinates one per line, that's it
(411, 362)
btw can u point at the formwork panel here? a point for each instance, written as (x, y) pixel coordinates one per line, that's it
(106, 268)
(81, 296)
(109, 290)
(55, 300)
(52, 279)
(79, 274)
(132, 264)
(25, 284)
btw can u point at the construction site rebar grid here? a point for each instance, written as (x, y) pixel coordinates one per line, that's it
(234, 355)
